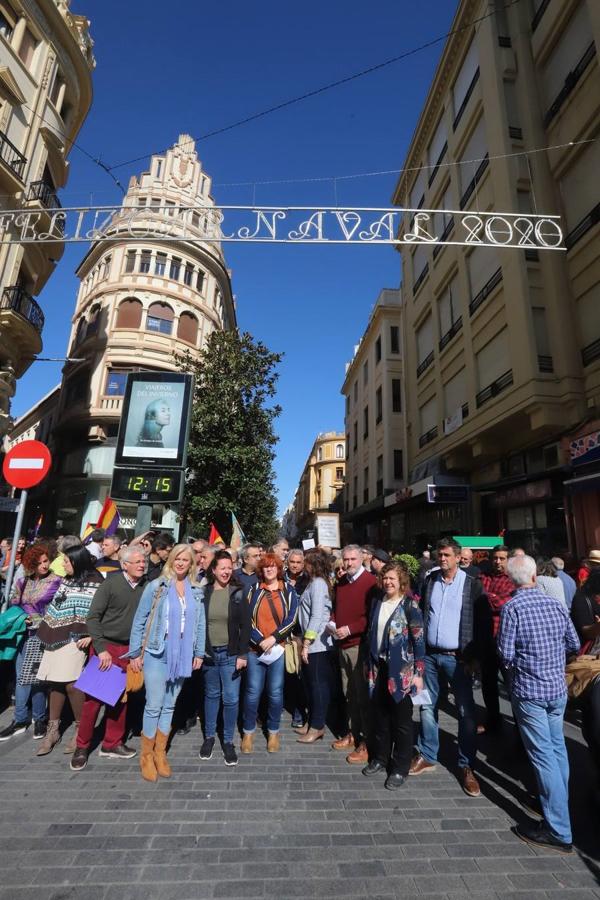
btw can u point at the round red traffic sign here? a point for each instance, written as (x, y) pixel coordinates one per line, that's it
(26, 464)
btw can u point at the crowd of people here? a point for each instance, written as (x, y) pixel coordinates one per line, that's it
(350, 640)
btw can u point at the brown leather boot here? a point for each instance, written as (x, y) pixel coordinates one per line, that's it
(147, 767)
(160, 755)
(248, 743)
(273, 742)
(71, 746)
(360, 756)
(51, 738)
(312, 735)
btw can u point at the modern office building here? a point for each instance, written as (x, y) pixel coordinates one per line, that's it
(142, 302)
(46, 63)
(502, 346)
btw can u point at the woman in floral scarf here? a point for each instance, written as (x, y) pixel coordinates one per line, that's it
(395, 669)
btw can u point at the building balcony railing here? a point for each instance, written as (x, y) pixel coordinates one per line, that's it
(454, 329)
(463, 105)
(485, 291)
(583, 227)
(591, 353)
(428, 436)
(19, 301)
(421, 278)
(539, 13)
(445, 235)
(45, 193)
(545, 364)
(495, 388)
(425, 364)
(570, 83)
(12, 157)
(470, 189)
(438, 163)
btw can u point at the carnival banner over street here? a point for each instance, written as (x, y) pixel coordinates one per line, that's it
(294, 225)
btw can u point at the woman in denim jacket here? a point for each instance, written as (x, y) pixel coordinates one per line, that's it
(174, 646)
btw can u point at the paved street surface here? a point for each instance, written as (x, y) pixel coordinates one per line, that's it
(299, 824)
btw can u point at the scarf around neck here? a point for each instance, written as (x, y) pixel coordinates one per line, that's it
(180, 647)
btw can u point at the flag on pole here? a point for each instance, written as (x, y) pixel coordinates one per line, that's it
(38, 525)
(87, 532)
(214, 537)
(108, 519)
(238, 538)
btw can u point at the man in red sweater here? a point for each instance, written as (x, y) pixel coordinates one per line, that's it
(499, 589)
(350, 615)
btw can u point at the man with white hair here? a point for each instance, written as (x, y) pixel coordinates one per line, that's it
(535, 637)
(568, 583)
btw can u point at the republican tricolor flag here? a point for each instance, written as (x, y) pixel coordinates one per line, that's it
(108, 519)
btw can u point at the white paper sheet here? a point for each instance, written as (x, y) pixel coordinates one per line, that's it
(274, 653)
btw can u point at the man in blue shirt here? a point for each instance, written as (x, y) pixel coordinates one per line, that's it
(452, 602)
(567, 582)
(535, 637)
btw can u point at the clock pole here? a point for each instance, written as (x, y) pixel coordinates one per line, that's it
(143, 518)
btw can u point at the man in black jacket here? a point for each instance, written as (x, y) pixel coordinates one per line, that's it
(452, 603)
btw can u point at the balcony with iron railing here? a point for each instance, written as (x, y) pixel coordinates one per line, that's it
(463, 105)
(479, 173)
(485, 291)
(428, 436)
(19, 301)
(425, 364)
(445, 235)
(423, 275)
(45, 193)
(591, 353)
(570, 84)
(495, 388)
(12, 157)
(453, 330)
(582, 228)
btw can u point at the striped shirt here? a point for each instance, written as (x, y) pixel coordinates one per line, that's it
(535, 636)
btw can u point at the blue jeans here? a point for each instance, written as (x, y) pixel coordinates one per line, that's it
(257, 677)
(438, 667)
(221, 681)
(541, 726)
(25, 692)
(161, 695)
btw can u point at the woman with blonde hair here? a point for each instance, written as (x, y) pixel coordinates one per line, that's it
(167, 642)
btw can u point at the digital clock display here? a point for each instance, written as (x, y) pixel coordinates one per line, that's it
(147, 486)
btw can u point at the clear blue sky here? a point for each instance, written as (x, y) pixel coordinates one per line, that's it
(197, 67)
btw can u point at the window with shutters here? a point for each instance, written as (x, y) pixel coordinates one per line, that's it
(199, 281)
(427, 422)
(378, 350)
(455, 393)
(145, 258)
(578, 200)
(449, 313)
(493, 367)
(437, 148)
(129, 313)
(485, 274)
(366, 485)
(589, 324)
(417, 194)
(160, 318)
(366, 372)
(463, 86)
(187, 328)
(396, 395)
(160, 264)
(512, 110)
(130, 261)
(175, 269)
(355, 391)
(379, 486)
(425, 344)
(542, 339)
(568, 53)
(366, 422)
(355, 436)
(339, 451)
(442, 220)
(394, 339)
(398, 465)
(473, 162)
(378, 406)
(420, 265)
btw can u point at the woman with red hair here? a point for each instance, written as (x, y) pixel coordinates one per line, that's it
(273, 612)
(32, 593)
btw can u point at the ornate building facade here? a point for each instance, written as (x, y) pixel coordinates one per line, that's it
(46, 63)
(141, 303)
(321, 481)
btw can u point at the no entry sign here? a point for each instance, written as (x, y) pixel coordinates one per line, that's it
(26, 464)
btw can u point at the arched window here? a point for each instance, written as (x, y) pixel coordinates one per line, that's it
(94, 320)
(339, 451)
(160, 318)
(129, 314)
(187, 328)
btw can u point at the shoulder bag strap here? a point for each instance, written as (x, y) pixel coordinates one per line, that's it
(274, 612)
(151, 618)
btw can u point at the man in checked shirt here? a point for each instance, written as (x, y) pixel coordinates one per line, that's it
(535, 637)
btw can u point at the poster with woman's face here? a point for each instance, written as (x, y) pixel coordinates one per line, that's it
(154, 419)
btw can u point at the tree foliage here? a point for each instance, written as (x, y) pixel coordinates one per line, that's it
(232, 437)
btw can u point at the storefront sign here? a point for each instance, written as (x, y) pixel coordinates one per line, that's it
(524, 493)
(294, 225)
(447, 493)
(585, 449)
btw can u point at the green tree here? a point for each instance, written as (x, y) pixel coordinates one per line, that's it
(232, 437)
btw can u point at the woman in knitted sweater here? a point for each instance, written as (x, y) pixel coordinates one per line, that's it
(63, 632)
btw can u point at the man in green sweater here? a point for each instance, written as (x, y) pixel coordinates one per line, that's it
(109, 624)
